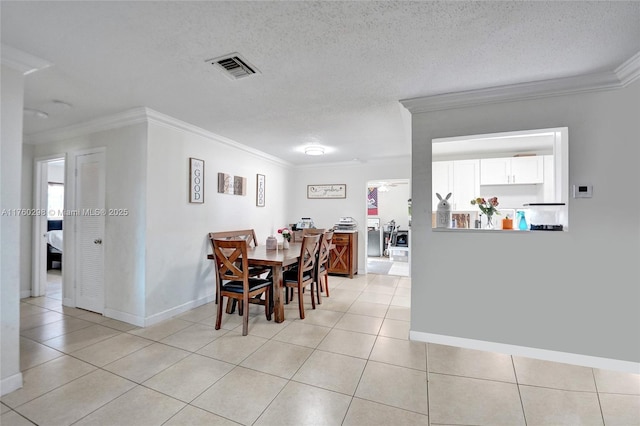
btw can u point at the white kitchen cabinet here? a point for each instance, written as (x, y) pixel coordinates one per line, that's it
(512, 170)
(466, 184)
(442, 180)
(461, 178)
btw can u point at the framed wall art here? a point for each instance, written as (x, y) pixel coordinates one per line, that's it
(327, 191)
(260, 189)
(196, 180)
(230, 184)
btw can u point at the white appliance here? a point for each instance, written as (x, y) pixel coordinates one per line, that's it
(346, 223)
(305, 223)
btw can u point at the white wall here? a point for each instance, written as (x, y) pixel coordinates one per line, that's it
(179, 276)
(574, 292)
(326, 213)
(12, 84)
(124, 240)
(394, 205)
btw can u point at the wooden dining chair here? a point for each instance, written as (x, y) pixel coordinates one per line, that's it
(233, 281)
(322, 265)
(304, 275)
(245, 234)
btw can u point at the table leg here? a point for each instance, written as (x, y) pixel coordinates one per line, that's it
(278, 306)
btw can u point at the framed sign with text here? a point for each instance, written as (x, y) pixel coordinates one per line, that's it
(260, 188)
(327, 191)
(196, 180)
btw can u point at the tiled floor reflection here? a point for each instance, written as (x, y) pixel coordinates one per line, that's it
(348, 363)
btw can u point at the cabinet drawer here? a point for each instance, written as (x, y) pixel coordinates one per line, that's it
(340, 239)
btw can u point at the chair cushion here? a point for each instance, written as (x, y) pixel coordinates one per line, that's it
(254, 284)
(292, 276)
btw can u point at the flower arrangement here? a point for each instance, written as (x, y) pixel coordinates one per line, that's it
(487, 207)
(286, 234)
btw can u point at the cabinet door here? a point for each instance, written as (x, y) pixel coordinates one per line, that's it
(527, 170)
(442, 180)
(339, 257)
(466, 184)
(494, 171)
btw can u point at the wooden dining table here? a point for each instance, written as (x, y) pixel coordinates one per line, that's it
(277, 260)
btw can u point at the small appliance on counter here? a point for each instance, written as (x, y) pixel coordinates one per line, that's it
(346, 223)
(305, 223)
(544, 216)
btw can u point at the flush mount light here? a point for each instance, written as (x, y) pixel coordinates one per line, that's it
(314, 150)
(30, 112)
(61, 105)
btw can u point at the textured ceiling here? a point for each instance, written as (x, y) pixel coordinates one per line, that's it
(330, 72)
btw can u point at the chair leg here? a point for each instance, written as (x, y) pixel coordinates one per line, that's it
(313, 298)
(231, 305)
(300, 303)
(219, 313)
(326, 284)
(267, 303)
(245, 314)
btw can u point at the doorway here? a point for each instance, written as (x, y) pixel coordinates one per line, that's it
(49, 188)
(388, 227)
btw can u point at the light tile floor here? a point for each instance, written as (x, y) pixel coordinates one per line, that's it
(348, 363)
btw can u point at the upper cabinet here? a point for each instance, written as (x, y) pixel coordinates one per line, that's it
(512, 170)
(461, 178)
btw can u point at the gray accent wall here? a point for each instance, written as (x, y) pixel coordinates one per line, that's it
(575, 292)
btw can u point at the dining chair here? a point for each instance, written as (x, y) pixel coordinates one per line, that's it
(233, 281)
(322, 265)
(305, 273)
(246, 234)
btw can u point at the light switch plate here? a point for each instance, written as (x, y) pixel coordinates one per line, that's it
(582, 191)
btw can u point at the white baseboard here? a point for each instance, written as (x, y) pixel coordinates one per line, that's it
(68, 302)
(124, 317)
(25, 293)
(161, 316)
(543, 354)
(11, 383)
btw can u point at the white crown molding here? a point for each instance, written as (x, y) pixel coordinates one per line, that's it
(629, 71)
(21, 61)
(514, 92)
(171, 122)
(623, 75)
(136, 116)
(122, 119)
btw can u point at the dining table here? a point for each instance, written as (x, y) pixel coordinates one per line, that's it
(278, 260)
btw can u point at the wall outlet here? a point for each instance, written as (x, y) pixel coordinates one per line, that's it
(582, 191)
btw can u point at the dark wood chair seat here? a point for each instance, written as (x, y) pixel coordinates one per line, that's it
(233, 281)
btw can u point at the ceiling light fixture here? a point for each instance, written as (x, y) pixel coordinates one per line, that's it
(314, 150)
(61, 105)
(30, 112)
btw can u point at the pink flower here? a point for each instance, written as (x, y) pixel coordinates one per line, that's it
(285, 233)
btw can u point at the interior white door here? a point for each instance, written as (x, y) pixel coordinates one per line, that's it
(90, 218)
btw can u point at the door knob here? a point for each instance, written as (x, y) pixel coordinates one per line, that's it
(97, 241)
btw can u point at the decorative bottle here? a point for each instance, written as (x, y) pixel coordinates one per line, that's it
(522, 221)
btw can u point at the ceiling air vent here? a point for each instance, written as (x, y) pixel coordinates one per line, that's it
(233, 66)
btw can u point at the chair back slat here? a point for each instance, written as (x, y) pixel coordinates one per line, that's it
(231, 258)
(325, 247)
(308, 254)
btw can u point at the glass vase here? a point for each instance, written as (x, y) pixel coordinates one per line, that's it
(285, 244)
(490, 224)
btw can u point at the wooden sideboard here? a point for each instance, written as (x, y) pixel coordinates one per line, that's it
(343, 259)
